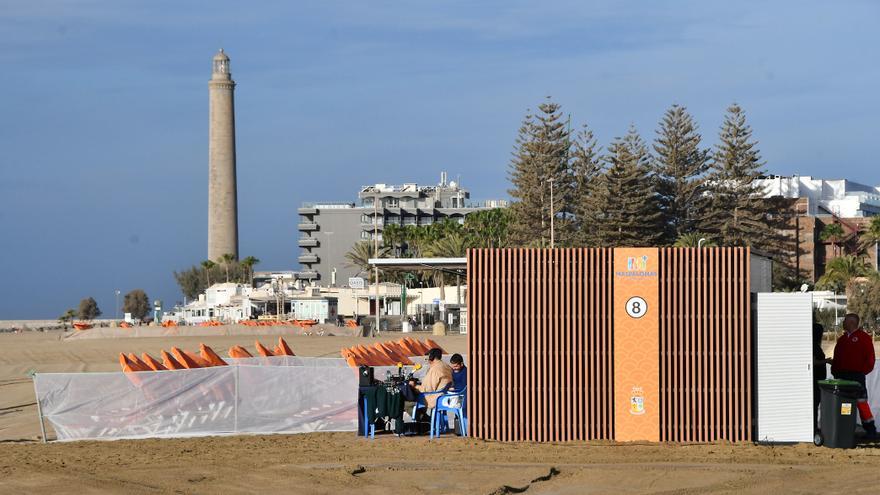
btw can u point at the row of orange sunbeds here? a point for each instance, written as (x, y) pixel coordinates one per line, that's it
(275, 323)
(179, 359)
(388, 353)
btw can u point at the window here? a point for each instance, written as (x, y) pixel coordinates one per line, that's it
(392, 203)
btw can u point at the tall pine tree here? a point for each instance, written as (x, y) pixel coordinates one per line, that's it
(586, 168)
(679, 165)
(541, 153)
(622, 209)
(736, 213)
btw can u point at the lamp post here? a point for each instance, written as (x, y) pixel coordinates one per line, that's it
(551, 180)
(700, 242)
(117, 305)
(375, 331)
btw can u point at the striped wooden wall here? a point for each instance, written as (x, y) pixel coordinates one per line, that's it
(540, 343)
(705, 345)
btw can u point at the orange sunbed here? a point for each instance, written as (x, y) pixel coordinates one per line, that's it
(389, 358)
(152, 363)
(419, 346)
(433, 344)
(170, 362)
(210, 356)
(199, 360)
(262, 351)
(396, 354)
(285, 349)
(238, 352)
(356, 355)
(124, 362)
(137, 364)
(407, 348)
(183, 358)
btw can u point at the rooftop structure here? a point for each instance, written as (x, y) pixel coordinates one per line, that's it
(818, 203)
(841, 197)
(328, 230)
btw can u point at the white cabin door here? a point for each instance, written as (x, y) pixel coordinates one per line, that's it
(785, 367)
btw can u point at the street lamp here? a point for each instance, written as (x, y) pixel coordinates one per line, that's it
(117, 304)
(551, 180)
(700, 242)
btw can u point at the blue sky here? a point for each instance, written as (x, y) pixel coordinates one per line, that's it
(103, 140)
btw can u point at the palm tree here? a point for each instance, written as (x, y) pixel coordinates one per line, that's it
(871, 236)
(394, 238)
(248, 264)
(488, 228)
(692, 239)
(841, 270)
(66, 317)
(452, 245)
(833, 233)
(360, 254)
(227, 259)
(207, 265)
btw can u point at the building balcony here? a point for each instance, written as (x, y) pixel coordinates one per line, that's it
(308, 242)
(307, 226)
(368, 225)
(308, 258)
(307, 210)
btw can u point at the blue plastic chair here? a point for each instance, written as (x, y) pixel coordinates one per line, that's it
(421, 402)
(444, 406)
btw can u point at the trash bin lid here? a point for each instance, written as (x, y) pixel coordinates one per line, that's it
(839, 384)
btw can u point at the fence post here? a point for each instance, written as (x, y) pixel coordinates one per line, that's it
(235, 402)
(39, 408)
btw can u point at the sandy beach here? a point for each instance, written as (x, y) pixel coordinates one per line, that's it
(333, 462)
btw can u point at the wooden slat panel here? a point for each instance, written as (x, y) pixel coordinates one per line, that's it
(540, 344)
(705, 345)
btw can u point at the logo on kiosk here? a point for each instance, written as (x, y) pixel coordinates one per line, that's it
(637, 263)
(637, 401)
(637, 266)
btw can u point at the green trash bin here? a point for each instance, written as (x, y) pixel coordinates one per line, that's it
(837, 413)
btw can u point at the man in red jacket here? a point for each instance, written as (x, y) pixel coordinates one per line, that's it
(853, 359)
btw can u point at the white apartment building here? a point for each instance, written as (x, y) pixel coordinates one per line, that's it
(841, 197)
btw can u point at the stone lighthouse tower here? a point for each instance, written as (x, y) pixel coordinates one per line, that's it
(222, 190)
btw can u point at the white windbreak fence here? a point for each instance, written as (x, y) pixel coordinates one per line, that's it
(311, 395)
(277, 394)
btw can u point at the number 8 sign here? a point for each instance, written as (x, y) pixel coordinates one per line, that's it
(636, 307)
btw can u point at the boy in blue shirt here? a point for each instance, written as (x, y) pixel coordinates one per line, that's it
(459, 372)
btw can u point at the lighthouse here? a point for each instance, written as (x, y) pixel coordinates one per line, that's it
(222, 189)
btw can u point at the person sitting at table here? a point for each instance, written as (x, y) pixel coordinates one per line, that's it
(459, 372)
(438, 377)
